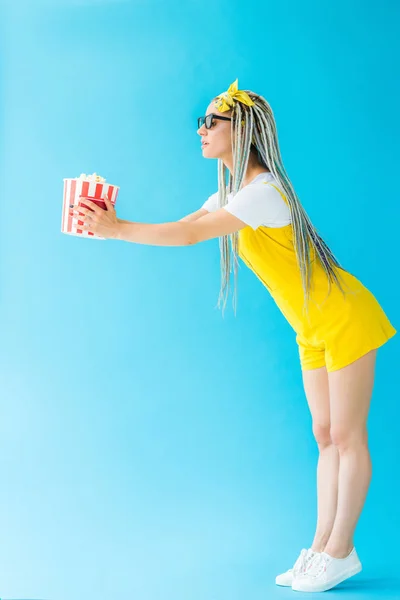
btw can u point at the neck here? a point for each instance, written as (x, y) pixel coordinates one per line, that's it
(254, 168)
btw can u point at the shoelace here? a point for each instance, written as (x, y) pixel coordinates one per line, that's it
(318, 565)
(301, 562)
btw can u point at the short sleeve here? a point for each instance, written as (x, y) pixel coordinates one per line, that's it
(260, 204)
(212, 203)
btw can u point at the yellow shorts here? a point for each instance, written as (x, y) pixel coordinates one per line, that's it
(344, 329)
(338, 352)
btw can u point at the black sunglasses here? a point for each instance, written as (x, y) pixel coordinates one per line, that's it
(208, 120)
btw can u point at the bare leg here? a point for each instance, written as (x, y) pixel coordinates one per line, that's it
(350, 391)
(316, 387)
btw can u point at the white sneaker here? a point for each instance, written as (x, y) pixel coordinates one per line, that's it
(325, 572)
(299, 567)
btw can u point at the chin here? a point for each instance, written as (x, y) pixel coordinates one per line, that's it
(207, 153)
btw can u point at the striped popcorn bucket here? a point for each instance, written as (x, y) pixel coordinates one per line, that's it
(73, 188)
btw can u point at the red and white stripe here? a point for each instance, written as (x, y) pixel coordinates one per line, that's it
(73, 188)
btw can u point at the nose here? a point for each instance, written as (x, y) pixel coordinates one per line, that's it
(202, 130)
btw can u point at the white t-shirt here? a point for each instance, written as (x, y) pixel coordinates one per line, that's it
(256, 204)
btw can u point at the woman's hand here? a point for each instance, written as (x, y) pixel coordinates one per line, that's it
(97, 220)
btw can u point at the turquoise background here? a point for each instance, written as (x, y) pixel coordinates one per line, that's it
(150, 449)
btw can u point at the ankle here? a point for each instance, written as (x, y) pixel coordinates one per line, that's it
(320, 543)
(339, 551)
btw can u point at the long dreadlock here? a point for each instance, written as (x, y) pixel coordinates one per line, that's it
(254, 128)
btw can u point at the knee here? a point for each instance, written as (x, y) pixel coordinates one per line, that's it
(344, 437)
(322, 434)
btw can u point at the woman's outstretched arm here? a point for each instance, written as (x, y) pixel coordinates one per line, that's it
(180, 233)
(195, 215)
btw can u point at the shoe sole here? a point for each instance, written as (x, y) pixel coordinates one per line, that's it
(296, 585)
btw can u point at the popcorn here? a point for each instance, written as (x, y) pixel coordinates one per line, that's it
(92, 187)
(96, 178)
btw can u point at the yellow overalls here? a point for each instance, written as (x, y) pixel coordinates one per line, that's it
(337, 329)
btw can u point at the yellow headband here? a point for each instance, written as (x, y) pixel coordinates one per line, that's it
(227, 99)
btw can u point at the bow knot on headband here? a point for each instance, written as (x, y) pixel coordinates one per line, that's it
(227, 100)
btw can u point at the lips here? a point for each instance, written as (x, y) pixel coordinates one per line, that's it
(204, 143)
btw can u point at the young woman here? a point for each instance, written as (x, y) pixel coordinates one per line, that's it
(338, 322)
